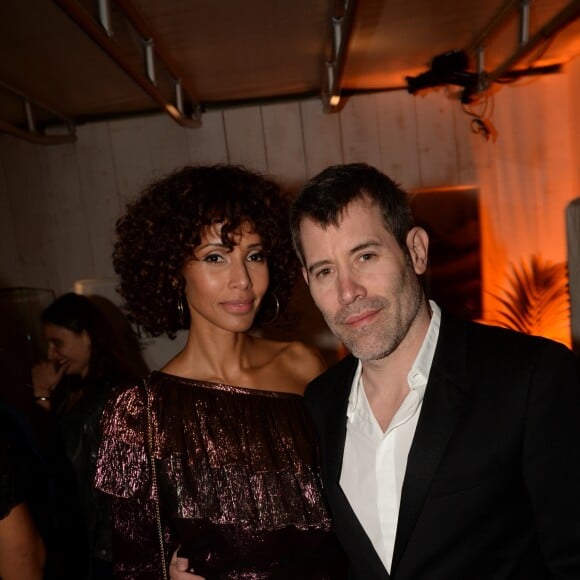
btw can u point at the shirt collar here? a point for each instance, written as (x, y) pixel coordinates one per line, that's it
(419, 373)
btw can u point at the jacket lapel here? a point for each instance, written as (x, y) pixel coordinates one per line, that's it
(439, 413)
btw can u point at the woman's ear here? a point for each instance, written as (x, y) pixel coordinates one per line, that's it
(418, 246)
(86, 338)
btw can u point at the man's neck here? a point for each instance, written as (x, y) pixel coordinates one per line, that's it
(385, 380)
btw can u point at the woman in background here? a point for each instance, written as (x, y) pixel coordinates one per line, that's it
(234, 479)
(83, 366)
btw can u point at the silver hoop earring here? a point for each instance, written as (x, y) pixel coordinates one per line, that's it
(275, 317)
(180, 312)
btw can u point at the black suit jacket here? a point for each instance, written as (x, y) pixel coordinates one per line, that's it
(492, 485)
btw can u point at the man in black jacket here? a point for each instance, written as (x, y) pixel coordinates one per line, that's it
(449, 448)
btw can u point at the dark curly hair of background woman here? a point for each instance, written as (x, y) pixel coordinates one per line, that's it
(161, 228)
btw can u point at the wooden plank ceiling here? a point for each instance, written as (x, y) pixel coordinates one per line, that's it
(228, 52)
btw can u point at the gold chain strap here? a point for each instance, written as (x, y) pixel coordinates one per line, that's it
(154, 487)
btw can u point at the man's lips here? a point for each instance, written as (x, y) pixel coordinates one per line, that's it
(361, 319)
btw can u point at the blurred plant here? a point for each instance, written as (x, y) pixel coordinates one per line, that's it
(537, 300)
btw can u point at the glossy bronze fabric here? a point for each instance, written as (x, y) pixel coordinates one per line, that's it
(238, 479)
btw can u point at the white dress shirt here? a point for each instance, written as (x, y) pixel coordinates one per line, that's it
(374, 461)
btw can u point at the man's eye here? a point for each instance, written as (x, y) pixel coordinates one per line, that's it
(322, 273)
(367, 257)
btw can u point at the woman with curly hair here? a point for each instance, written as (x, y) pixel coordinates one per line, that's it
(214, 454)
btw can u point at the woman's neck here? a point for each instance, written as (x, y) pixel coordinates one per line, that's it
(218, 356)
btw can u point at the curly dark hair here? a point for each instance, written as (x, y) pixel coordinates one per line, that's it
(162, 227)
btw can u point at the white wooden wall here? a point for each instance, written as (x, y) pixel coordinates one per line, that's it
(58, 204)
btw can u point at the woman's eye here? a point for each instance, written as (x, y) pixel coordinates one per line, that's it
(256, 257)
(213, 258)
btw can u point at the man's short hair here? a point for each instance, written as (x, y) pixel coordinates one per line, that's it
(324, 198)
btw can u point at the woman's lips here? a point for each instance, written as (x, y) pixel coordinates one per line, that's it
(238, 306)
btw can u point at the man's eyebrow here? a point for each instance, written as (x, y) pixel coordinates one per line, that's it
(364, 246)
(357, 248)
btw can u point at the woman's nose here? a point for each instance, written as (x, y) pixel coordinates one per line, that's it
(240, 278)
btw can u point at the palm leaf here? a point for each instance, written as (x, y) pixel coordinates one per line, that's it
(536, 299)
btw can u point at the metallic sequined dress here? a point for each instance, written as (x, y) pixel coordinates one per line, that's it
(238, 479)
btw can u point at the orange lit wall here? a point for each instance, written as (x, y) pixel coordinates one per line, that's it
(527, 178)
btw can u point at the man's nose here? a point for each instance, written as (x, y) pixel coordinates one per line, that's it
(349, 288)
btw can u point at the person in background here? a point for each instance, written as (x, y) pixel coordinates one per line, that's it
(449, 448)
(215, 453)
(83, 367)
(22, 550)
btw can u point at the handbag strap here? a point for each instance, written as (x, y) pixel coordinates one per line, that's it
(154, 486)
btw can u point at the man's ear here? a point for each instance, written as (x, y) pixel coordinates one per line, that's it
(418, 246)
(305, 275)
